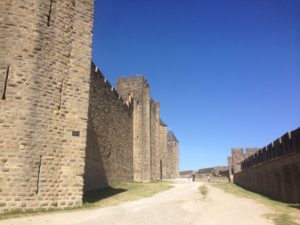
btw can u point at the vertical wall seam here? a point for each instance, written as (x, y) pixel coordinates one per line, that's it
(60, 95)
(5, 84)
(49, 13)
(39, 173)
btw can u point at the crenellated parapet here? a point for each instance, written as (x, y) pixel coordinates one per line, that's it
(287, 144)
(127, 101)
(274, 170)
(238, 155)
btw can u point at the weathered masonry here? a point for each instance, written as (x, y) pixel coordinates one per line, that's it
(138, 87)
(65, 130)
(173, 168)
(109, 152)
(45, 57)
(152, 158)
(274, 170)
(236, 158)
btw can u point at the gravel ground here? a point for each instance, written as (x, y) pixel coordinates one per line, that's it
(181, 205)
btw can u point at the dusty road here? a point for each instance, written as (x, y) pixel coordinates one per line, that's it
(182, 205)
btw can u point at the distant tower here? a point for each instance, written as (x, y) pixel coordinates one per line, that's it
(164, 149)
(237, 157)
(45, 59)
(139, 88)
(173, 155)
(251, 151)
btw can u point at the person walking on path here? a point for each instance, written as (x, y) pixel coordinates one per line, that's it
(208, 178)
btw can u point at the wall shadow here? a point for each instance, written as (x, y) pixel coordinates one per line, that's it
(94, 196)
(295, 206)
(94, 176)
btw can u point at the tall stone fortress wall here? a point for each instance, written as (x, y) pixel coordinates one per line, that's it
(45, 55)
(163, 145)
(139, 88)
(109, 154)
(274, 170)
(156, 153)
(65, 130)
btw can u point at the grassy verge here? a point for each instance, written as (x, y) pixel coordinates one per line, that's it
(283, 214)
(109, 196)
(122, 193)
(203, 190)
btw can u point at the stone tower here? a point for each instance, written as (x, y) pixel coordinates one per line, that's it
(251, 151)
(139, 88)
(45, 60)
(173, 155)
(237, 157)
(164, 149)
(156, 153)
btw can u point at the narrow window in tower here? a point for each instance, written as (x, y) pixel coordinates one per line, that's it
(39, 173)
(5, 84)
(49, 13)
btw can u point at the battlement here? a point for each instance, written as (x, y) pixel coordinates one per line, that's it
(237, 156)
(137, 86)
(251, 151)
(274, 170)
(128, 102)
(138, 79)
(237, 151)
(155, 104)
(287, 144)
(66, 129)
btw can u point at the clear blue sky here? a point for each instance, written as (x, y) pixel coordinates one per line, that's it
(226, 72)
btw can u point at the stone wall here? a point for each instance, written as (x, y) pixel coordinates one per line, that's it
(186, 173)
(109, 154)
(230, 169)
(45, 55)
(139, 88)
(237, 156)
(173, 162)
(214, 171)
(163, 145)
(274, 170)
(64, 128)
(156, 154)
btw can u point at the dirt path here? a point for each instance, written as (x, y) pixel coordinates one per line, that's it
(182, 205)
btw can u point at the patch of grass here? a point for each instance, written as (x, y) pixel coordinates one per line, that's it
(32, 212)
(109, 196)
(124, 192)
(284, 219)
(204, 190)
(284, 214)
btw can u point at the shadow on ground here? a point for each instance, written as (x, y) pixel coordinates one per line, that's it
(295, 206)
(95, 196)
